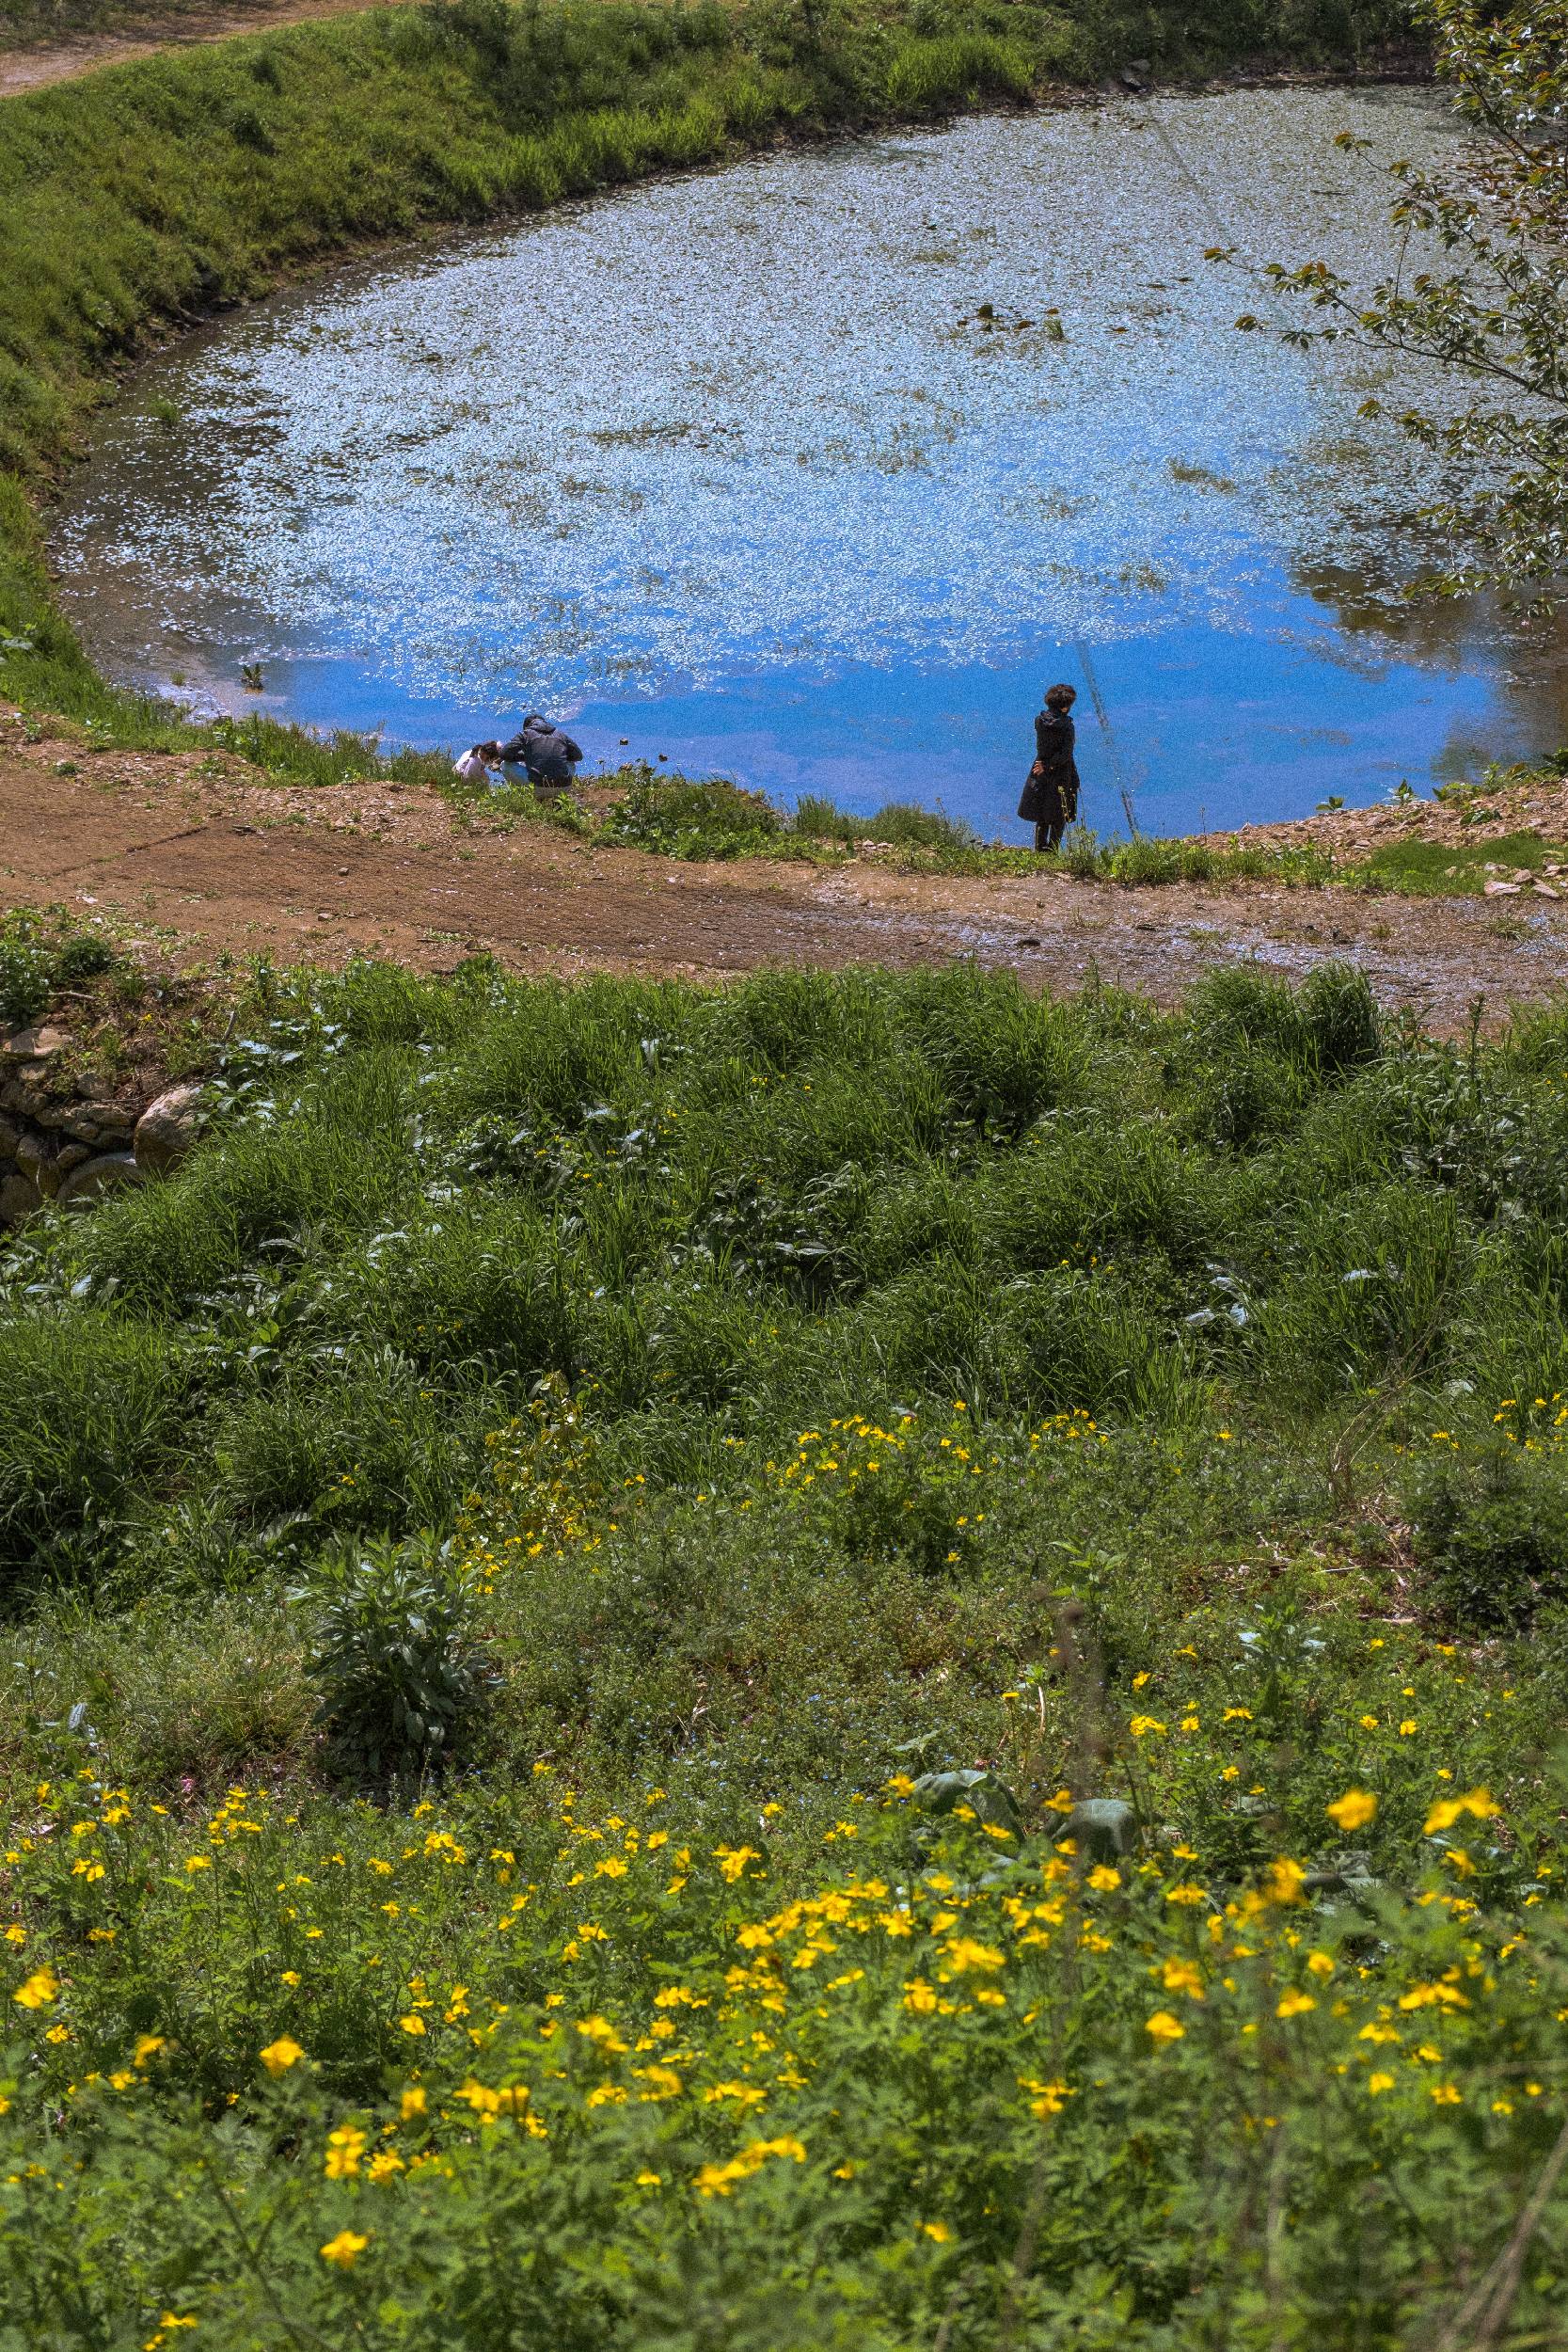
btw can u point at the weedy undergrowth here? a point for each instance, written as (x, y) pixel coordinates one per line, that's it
(392, 1656)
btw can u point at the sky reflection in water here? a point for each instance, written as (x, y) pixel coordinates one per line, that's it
(734, 466)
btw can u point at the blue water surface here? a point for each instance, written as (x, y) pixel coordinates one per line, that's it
(1200, 728)
(816, 471)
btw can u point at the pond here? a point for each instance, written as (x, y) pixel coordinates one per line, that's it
(814, 471)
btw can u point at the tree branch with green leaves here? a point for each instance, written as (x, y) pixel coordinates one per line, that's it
(1478, 285)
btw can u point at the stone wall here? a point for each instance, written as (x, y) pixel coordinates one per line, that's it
(70, 1138)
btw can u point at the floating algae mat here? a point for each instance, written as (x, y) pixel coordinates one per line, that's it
(816, 470)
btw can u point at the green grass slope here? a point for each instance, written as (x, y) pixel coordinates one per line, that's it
(497, 1547)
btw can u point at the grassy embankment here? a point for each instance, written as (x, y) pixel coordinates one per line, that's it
(707, 1413)
(676, 817)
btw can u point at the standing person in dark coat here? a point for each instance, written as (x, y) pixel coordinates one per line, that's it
(1049, 800)
(546, 754)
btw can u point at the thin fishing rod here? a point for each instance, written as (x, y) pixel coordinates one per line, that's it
(1206, 200)
(1123, 787)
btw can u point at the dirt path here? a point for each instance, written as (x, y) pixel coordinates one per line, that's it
(62, 56)
(201, 854)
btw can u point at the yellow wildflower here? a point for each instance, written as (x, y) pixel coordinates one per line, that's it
(1283, 1881)
(717, 2180)
(344, 2250)
(1433, 1997)
(344, 2148)
(1179, 1976)
(602, 2034)
(1447, 1810)
(963, 1953)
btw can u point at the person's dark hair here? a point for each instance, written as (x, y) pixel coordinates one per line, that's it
(1060, 697)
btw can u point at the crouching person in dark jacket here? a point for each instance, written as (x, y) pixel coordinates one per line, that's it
(542, 753)
(1049, 800)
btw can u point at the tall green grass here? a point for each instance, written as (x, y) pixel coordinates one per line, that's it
(724, 1216)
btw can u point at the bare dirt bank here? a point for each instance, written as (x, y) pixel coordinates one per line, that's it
(34, 64)
(200, 851)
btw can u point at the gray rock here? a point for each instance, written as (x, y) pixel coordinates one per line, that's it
(100, 1175)
(35, 1154)
(1345, 1873)
(10, 1136)
(21, 1096)
(70, 1155)
(94, 1087)
(36, 1044)
(1104, 1829)
(988, 1798)
(102, 1123)
(18, 1199)
(167, 1128)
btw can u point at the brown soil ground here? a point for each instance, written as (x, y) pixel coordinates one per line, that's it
(32, 63)
(201, 855)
